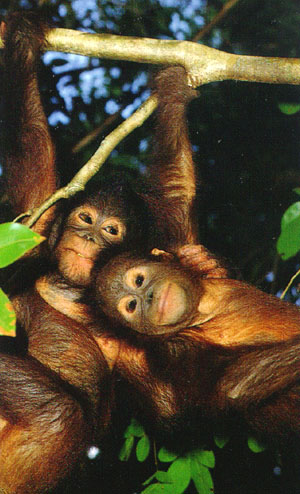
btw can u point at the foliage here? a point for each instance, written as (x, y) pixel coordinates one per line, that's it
(246, 149)
(191, 468)
(255, 446)
(221, 441)
(15, 241)
(289, 108)
(246, 145)
(7, 316)
(135, 430)
(288, 243)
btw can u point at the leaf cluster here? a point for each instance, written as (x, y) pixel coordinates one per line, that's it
(15, 241)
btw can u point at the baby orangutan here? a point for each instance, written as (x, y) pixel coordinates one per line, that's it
(196, 347)
(157, 295)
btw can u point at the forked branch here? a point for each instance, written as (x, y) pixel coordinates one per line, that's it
(202, 63)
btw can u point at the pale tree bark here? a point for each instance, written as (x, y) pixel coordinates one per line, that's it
(202, 63)
(94, 164)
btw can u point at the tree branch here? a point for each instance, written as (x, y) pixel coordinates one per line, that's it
(203, 64)
(218, 17)
(94, 164)
(91, 136)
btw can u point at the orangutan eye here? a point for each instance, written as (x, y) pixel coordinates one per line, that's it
(139, 280)
(131, 306)
(111, 230)
(86, 218)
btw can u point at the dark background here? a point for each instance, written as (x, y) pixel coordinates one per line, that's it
(246, 153)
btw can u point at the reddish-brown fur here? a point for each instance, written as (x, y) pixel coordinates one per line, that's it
(181, 375)
(55, 398)
(61, 341)
(29, 152)
(172, 173)
(56, 377)
(55, 390)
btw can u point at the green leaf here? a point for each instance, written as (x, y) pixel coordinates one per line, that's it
(159, 489)
(221, 441)
(202, 478)
(15, 240)
(288, 243)
(7, 316)
(180, 472)
(165, 455)
(126, 449)
(143, 448)
(206, 458)
(297, 190)
(127, 433)
(255, 445)
(289, 108)
(290, 215)
(163, 477)
(134, 429)
(150, 479)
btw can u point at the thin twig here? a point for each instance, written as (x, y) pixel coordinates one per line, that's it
(91, 136)
(94, 164)
(218, 17)
(289, 284)
(203, 32)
